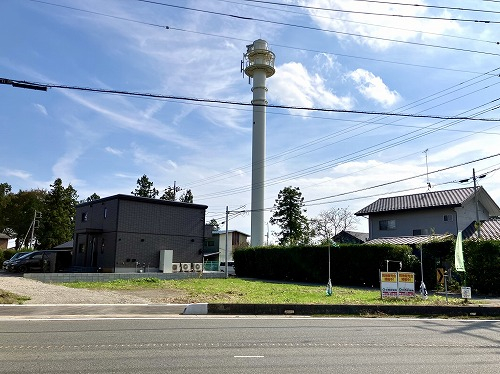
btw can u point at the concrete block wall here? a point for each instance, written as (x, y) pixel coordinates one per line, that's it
(106, 277)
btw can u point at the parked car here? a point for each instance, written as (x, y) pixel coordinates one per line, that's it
(17, 255)
(48, 261)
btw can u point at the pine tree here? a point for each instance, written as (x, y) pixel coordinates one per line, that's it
(290, 218)
(145, 188)
(57, 220)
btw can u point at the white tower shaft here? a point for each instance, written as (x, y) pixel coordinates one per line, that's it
(258, 157)
(259, 66)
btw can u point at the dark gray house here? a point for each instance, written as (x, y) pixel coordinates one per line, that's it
(352, 237)
(125, 233)
(430, 213)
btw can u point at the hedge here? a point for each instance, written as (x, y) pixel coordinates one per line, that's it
(359, 264)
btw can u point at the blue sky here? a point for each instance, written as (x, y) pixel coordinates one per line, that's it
(349, 60)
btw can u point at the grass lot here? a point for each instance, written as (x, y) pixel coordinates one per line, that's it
(234, 290)
(11, 298)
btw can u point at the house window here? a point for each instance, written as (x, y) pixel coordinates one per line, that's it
(387, 224)
(84, 217)
(105, 212)
(448, 217)
(81, 248)
(210, 243)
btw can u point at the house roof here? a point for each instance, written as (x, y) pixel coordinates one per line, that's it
(66, 245)
(447, 198)
(361, 236)
(4, 236)
(490, 230)
(409, 240)
(223, 232)
(143, 200)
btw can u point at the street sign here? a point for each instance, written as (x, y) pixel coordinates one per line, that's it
(440, 275)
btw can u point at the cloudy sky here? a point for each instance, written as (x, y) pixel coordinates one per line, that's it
(360, 62)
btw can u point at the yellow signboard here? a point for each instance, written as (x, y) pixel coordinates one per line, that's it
(397, 284)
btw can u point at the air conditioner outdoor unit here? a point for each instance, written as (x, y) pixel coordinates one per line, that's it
(176, 267)
(197, 266)
(186, 266)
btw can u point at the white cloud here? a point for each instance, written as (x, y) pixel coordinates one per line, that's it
(41, 109)
(21, 174)
(113, 151)
(293, 85)
(375, 30)
(373, 88)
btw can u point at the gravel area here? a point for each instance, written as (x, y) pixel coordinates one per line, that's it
(50, 293)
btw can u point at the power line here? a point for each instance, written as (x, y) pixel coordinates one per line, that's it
(320, 29)
(282, 46)
(44, 86)
(343, 20)
(385, 2)
(406, 179)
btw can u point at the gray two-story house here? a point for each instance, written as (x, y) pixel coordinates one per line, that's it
(124, 233)
(430, 213)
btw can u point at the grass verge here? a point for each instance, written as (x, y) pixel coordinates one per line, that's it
(235, 290)
(11, 298)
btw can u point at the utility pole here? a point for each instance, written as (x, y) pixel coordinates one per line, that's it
(478, 224)
(476, 200)
(226, 268)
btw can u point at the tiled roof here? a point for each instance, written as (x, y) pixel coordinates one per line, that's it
(454, 197)
(363, 236)
(490, 230)
(409, 240)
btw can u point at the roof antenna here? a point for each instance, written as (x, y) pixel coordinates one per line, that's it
(427, 167)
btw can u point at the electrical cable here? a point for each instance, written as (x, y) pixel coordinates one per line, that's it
(278, 45)
(324, 30)
(378, 2)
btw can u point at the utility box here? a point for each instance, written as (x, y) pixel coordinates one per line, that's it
(166, 258)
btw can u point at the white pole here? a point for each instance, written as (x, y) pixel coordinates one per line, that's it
(258, 157)
(226, 270)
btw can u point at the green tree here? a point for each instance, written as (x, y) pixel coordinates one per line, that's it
(23, 211)
(5, 194)
(330, 222)
(213, 222)
(92, 197)
(57, 221)
(145, 188)
(289, 216)
(187, 197)
(170, 193)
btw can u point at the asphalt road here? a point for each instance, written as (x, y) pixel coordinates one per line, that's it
(249, 345)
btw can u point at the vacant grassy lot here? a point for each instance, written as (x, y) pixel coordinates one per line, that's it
(234, 290)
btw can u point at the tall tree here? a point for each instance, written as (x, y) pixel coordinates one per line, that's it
(330, 222)
(170, 193)
(213, 222)
(57, 221)
(92, 197)
(187, 197)
(23, 210)
(145, 188)
(289, 216)
(5, 194)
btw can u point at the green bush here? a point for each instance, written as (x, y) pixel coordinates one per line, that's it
(351, 264)
(359, 264)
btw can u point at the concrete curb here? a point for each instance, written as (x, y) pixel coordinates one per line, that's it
(201, 308)
(360, 310)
